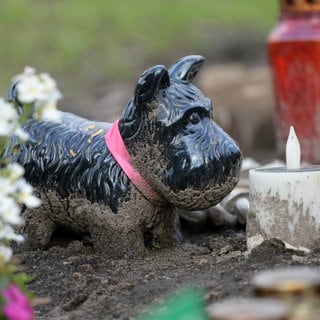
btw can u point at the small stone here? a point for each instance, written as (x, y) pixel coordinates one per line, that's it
(71, 260)
(77, 275)
(298, 259)
(85, 268)
(203, 262)
(76, 246)
(127, 285)
(225, 250)
(242, 207)
(221, 217)
(211, 295)
(194, 250)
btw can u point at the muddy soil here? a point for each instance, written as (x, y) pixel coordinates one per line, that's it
(79, 284)
(76, 283)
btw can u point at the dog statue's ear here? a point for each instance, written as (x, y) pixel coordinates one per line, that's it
(186, 68)
(149, 84)
(13, 97)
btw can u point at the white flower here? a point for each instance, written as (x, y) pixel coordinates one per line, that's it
(7, 232)
(27, 72)
(5, 253)
(31, 201)
(42, 91)
(29, 89)
(6, 187)
(16, 171)
(21, 134)
(48, 83)
(49, 112)
(24, 194)
(54, 96)
(10, 211)
(8, 118)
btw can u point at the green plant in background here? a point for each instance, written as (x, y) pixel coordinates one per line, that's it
(39, 96)
(86, 43)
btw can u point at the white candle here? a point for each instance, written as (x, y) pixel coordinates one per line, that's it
(285, 202)
(293, 151)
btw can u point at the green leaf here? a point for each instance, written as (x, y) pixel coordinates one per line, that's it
(185, 305)
(3, 282)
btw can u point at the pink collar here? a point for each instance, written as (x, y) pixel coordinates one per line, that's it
(120, 153)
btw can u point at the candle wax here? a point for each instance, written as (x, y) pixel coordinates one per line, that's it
(293, 151)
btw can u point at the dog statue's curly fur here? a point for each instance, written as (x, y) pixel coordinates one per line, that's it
(174, 144)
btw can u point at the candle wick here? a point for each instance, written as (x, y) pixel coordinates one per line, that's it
(293, 151)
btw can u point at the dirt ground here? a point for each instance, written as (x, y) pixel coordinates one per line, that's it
(75, 283)
(81, 285)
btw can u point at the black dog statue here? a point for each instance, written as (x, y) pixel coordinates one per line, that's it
(119, 183)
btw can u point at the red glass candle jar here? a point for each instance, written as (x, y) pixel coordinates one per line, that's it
(294, 55)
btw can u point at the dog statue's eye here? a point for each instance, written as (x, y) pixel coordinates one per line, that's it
(194, 118)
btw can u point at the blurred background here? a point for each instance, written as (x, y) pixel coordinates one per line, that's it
(97, 49)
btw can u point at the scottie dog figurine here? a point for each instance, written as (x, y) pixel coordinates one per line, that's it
(119, 183)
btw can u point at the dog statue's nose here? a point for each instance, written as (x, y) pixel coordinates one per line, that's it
(231, 158)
